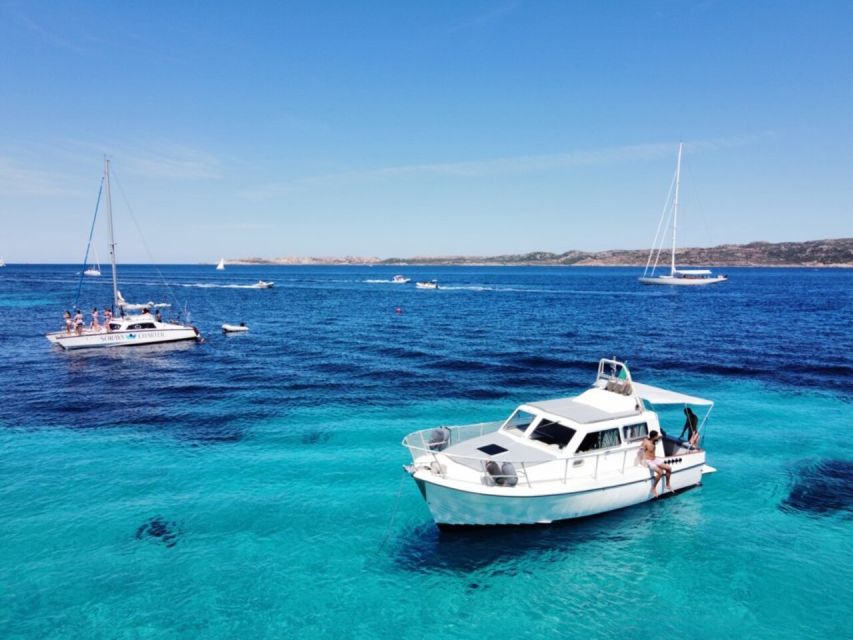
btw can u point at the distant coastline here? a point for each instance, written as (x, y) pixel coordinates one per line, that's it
(814, 253)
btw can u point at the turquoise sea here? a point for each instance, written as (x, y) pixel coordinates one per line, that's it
(252, 486)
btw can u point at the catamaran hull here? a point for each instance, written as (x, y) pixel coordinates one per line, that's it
(453, 505)
(122, 338)
(690, 282)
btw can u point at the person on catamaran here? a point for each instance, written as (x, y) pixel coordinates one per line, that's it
(691, 426)
(67, 316)
(108, 316)
(78, 322)
(655, 464)
(96, 326)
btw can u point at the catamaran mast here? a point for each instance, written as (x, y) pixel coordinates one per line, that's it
(674, 207)
(116, 308)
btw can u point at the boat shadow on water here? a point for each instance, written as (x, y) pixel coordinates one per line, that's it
(427, 548)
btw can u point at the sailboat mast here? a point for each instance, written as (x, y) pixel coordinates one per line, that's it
(674, 207)
(112, 236)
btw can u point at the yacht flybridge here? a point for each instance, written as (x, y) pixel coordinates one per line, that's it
(123, 330)
(676, 276)
(555, 459)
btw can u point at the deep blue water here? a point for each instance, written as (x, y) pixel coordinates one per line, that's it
(251, 486)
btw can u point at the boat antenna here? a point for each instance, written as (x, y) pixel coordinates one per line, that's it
(88, 246)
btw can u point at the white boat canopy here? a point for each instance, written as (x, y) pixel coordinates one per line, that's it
(658, 396)
(694, 272)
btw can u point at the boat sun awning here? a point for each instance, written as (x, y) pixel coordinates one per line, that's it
(694, 272)
(658, 396)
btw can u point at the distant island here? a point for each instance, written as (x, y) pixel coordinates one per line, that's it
(814, 253)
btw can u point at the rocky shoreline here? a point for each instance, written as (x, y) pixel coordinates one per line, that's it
(815, 253)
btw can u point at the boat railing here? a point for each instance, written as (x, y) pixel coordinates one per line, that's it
(428, 440)
(519, 472)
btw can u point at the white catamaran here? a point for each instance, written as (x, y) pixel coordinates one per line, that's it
(675, 276)
(122, 330)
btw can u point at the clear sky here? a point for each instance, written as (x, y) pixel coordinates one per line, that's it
(421, 128)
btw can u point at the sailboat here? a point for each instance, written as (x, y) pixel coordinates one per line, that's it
(2, 262)
(221, 265)
(94, 269)
(122, 330)
(675, 276)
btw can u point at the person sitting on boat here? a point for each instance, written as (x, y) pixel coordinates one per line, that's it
(78, 322)
(108, 316)
(96, 326)
(655, 464)
(691, 427)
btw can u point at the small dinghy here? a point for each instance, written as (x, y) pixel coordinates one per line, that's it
(235, 328)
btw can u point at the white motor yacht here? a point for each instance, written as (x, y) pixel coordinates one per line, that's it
(555, 459)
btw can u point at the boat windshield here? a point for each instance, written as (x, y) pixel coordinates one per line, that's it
(519, 421)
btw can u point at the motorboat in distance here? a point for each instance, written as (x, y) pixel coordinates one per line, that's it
(427, 284)
(401, 280)
(555, 459)
(265, 284)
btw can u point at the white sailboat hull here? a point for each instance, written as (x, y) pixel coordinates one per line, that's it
(683, 282)
(125, 338)
(454, 503)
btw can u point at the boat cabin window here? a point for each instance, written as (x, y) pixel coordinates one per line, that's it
(115, 326)
(599, 440)
(631, 432)
(552, 433)
(519, 420)
(143, 325)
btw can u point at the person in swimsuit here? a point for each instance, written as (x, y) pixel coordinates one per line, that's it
(108, 316)
(78, 322)
(655, 464)
(67, 322)
(96, 326)
(691, 426)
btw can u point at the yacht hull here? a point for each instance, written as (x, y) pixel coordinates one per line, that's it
(681, 282)
(452, 504)
(131, 338)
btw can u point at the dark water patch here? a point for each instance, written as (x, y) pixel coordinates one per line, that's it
(316, 436)
(821, 488)
(458, 364)
(482, 394)
(536, 362)
(401, 352)
(158, 529)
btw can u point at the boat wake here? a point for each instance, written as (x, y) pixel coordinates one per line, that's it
(207, 285)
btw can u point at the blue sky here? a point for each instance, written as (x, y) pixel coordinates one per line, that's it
(430, 128)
